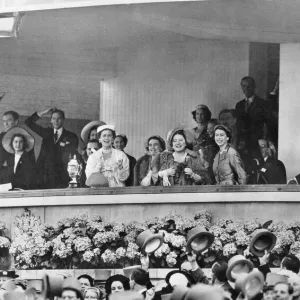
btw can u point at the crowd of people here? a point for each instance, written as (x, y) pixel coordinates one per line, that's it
(240, 147)
(243, 277)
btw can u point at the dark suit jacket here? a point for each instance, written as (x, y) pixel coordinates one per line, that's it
(275, 172)
(132, 162)
(250, 124)
(4, 178)
(25, 174)
(52, 162)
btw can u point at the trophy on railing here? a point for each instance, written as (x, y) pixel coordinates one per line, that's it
(74, 170)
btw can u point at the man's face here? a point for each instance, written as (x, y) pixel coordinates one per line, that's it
(84, 283)
(268, 295)
(89, 148)
(9, 122)
(248, 88)
(69, 295)
(3, 279)
(227, 119)
(57, 120)
(263, 145)
(295, 283)
(281, 292)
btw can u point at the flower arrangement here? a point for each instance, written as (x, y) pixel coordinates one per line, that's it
(83, 242)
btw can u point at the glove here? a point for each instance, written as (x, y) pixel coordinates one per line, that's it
(147, 180)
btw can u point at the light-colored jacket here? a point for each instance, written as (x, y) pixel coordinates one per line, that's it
(109, 168)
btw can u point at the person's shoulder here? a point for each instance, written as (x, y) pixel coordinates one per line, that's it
(143, 158)
(70, 133)
(232, 151)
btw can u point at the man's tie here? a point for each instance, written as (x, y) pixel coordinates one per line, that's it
(247, 105)
(55, 136)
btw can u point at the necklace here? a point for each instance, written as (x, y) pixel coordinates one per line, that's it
(106, 150)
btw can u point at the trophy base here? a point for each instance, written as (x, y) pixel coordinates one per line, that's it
(72, 185)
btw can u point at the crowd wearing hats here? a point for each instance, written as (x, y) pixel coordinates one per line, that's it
(244, 276)
(237, 148)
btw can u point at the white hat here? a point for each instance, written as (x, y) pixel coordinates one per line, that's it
(103, 127)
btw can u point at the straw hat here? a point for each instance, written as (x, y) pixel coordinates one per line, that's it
(236, 265)
(87, 128)
(250, 284)
(149, 242)
(17, 130)
(199, 239)
(104, 127)
(262, 240)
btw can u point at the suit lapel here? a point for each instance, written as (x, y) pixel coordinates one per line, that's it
(62, 136)
(253, 105)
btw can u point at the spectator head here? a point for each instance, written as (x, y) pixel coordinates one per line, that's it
(219, 271)
(227, 117)
(120, 141)
(71, 289)
(139, 278)
(283, 291)
(294, 281)
(92, 146)
(18, 143)
(93, 133)
(222, 135)
(117, 283)
(201, 114)
(291, 263)
(211, 125)
(92, 293)
(248, 86)
(10, 119)
(264, 148)
(57, 118)
(85, 281)
(155, 144)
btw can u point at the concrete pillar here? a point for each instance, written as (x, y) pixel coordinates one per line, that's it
(289, 108)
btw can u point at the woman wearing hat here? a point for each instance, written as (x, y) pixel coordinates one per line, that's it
(228, 167)
(92, 293)
(115, 284)
(120, 143)
(113, 164)
(89, 131)
(144, 167)
(17, 141)
(182, 166)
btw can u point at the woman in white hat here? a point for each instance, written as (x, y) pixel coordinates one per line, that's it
(110, 162)
(18, 142)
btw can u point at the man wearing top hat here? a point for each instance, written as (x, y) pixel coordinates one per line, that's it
(7, 275)
(58, 146)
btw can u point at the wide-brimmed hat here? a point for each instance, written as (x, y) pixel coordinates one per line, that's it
(236, 265)
(250, 284)
(149, 242)
(6, 142)
(97, 180)
(85, 132)
(262, 240)
(104, 127)
(175, 273)
(199, 239)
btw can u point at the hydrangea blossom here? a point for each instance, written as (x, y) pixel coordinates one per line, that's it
(229, 249)
(171, 259)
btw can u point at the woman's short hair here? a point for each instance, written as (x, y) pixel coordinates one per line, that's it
(88, 277)
(96, 290)
(226, 129)
(124, 137)
(182, 133)
(206, 111)
(123, 279)
(159, 139)
(21, 136)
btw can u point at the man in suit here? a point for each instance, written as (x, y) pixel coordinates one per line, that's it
(10, 120)
(269, 170)
(252, 116)
(58, 146)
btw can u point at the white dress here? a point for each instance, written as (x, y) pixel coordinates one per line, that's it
(109, 167)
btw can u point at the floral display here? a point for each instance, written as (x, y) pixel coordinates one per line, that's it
(91, 242)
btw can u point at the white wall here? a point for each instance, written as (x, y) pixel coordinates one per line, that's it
(161, 80)
(289, 108)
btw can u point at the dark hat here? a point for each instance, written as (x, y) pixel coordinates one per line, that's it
(11, 274)
(97, 180)
(6, 141)
(176, 272)
(236, 265)
(149, 242)
(250, 284)
(199, 239)
(87, 128)
(262, 240)
(118, 277)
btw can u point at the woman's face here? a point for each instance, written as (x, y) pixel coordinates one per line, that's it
(200, 115)
(106, 138)
(90, 294)
(18, 144)
(93, 134)
(154, 147)
(221, 137)
(295, 283)
(178, 143)
(119, 143)
(117, 286)
(210, 129)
